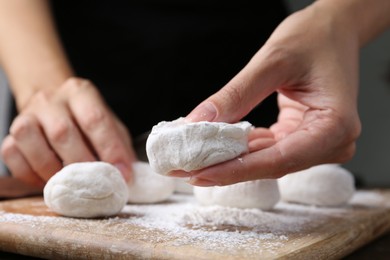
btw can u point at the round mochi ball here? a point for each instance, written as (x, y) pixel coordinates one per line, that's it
(181, 145)
(148, 186)
(321, 185)
(262, 194)
(86, 190)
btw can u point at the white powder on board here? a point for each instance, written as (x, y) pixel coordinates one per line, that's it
(181, 221)
(212, 227)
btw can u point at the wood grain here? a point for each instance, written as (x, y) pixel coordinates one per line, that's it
(28, 227)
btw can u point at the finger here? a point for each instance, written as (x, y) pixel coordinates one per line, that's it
(64, 136)
(17, 164)
(99, 126)
(260, 138)
(261, 143)
(35, 149)
(289, 118)
(125, 137)
(260, 132)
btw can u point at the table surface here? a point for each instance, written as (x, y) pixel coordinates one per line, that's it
(377, 249)
(369, 219)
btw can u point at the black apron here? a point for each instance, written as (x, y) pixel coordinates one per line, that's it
(156, 61)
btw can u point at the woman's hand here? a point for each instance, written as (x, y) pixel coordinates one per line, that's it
(311, 60)
(63, 125)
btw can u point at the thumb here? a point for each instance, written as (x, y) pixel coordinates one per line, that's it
(239, 96)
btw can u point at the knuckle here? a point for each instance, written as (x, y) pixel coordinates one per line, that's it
(41, 97)
(279, 56)
(22, 126)
(8, 148)
(76, 83)
(60, 131)
(39, 100)
(92, 118)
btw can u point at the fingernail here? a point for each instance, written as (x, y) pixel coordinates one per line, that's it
(201, 182)
(204, 112)
(125, 170)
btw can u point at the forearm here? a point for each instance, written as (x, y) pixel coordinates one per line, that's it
(367, 19)
(30, 51)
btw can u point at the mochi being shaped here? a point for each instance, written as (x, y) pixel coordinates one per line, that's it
(86, 190)
(322, 185)
(262, 194)
(148, 186)
(181, 145)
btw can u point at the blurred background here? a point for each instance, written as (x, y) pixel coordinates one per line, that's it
(371, 164)
(4, 112)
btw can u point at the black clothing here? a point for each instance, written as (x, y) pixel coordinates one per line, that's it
(156, 61)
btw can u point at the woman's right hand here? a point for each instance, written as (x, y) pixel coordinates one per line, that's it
(64, 125)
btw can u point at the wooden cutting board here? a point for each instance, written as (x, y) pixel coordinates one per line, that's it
(181, 229)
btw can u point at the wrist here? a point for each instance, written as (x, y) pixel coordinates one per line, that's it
(362, 18)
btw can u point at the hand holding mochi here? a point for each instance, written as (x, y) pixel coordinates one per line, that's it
(322, 185)
(86, 190)
(262, 194)
(180, 145)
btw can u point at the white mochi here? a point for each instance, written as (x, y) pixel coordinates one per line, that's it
(86, 190)
(322, 185)
(180, 145)
(262, 194)
(182, 186)
(148, 186)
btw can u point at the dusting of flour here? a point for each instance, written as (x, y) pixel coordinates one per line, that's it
(181, 222)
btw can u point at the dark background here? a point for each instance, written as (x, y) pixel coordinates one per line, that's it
(371, 164)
